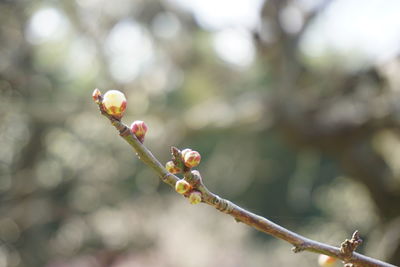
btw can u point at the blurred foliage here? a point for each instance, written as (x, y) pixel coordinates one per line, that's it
(308, 142)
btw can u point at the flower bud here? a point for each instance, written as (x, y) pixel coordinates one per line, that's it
(96, 95)
(195, 197)
(172, 168)
(114, 103)
(195, 177)
(139, 128)
(192, 159)
(182, 187)
(183, 152)
(326, 261)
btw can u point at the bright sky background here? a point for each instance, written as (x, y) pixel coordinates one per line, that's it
(359, 31)
(369, 28)
(218, 14)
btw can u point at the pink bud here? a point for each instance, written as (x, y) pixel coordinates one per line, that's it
(326, 261)
(172, 168)
(192, 159)
(195, 197)
(183, 152)
(114, 103)
(182, 187)
(96, 95)
(139, 128)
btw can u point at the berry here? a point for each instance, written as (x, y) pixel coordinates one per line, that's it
(114, 103)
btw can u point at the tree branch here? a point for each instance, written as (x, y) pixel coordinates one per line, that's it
(345, 253)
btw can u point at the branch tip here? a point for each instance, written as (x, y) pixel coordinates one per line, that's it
(202, 194)
(349, 246)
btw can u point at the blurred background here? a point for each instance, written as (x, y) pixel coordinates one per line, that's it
(293, 105)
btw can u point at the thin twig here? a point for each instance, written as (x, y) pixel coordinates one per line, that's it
(262, 224)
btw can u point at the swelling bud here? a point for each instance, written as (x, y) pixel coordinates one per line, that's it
(139, 128)
(326, 261)
(114, 103)
(182, 187)
(172, 168)
(195, 197)
(191, 159)
(183, 152)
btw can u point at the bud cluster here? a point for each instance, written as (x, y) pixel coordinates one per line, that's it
(114, 103)
(182, 160)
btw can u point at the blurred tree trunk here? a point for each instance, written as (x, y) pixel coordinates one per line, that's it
(310, 119)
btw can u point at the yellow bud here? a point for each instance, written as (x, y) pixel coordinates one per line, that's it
(182, 187)
(172, 168)
(192, 159)
(195, 197)
(114, 103)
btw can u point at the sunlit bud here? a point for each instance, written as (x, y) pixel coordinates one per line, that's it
(96, 95)
(326, 261)
(195, 197)
(192, 159)
(172, 168)
(114, 103)
(139, 128)
(183, 152)
(182, 187)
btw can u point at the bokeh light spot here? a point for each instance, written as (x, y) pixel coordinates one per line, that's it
(234, 47)
(45, 25)
(129, 49)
